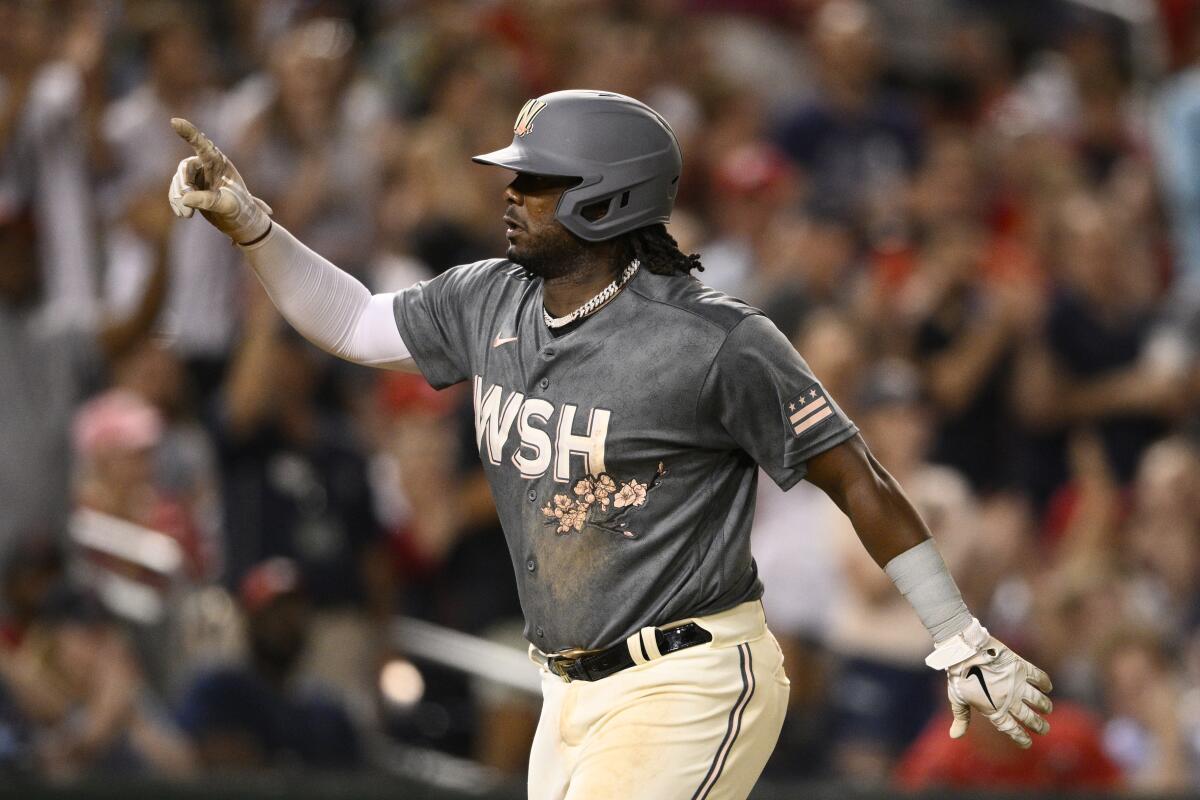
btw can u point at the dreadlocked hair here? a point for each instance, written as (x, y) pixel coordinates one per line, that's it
(658, 251)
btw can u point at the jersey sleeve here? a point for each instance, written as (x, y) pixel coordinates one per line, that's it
(764, 397)
(440, 320)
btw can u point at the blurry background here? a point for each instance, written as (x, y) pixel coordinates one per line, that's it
(979, 222)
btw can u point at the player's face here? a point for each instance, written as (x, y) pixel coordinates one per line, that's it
(536, 240)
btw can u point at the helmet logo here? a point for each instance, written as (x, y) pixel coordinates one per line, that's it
(524, 122)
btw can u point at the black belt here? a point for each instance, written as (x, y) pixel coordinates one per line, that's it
(601, 663)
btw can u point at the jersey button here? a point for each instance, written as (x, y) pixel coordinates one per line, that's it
(545, 382)
(548, 352)
(531, 565)
(532, 495)
(541, 633)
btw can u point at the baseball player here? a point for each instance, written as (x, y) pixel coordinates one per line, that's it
(622, 411)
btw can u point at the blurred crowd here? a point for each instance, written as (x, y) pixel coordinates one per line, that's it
(979, 222)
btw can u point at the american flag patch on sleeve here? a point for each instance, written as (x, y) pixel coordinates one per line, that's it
(808, 409)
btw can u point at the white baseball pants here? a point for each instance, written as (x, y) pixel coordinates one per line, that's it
(697, 724)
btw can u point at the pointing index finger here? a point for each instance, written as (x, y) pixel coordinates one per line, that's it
(185, 129)
(205, 149)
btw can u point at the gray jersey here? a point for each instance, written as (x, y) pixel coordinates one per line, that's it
(622, 454)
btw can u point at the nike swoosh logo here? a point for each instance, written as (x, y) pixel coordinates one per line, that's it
(978, 673)
(498, 341)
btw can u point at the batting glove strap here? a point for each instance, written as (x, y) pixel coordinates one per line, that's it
(959, 647)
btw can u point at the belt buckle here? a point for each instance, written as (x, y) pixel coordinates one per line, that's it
(558, 662)
(557, 667)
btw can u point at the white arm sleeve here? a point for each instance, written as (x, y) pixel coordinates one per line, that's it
(329, 307)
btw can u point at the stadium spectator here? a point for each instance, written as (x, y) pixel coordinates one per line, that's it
(185, 464)
(1161, 541)
(313, 145)
(755, 183)
(76, 678)
(417, 460)
(117, 435)
(811, 262)
(856, 142)
(396, 263)
(965, 333)
(179, 78)
(260, 714)
(1147, 735)
(446, 541)
(1072, 760)
(294, 484)
(51, 98)
(48, 359)
(1091, 367)
(449, 203)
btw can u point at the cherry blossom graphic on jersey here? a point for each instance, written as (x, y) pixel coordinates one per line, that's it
(599, 502)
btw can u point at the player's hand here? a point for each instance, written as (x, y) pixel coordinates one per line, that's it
(208, 181)
(996, 682)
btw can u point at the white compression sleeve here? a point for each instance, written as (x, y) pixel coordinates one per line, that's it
(922, 577)
(329, 307)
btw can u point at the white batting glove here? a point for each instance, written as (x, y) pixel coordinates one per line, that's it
(210, 182)
(986, 676)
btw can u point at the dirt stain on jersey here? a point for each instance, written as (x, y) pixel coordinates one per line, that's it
(583, 531)
(574, 570)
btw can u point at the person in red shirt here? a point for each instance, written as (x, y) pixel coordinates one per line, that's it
(1070, 756)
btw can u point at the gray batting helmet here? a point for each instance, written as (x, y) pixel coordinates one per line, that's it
(621, 149)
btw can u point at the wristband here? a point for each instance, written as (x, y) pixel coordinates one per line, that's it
(921, 576)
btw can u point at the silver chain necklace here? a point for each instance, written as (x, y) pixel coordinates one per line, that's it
(596, 303)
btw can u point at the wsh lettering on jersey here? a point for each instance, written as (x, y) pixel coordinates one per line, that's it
(536, 420)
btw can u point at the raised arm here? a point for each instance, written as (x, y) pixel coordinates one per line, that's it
(983, 674)
(329, 307)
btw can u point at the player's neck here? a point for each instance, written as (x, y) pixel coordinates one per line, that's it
(563, 294)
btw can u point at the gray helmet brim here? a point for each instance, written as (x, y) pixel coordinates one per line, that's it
(519, 159)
